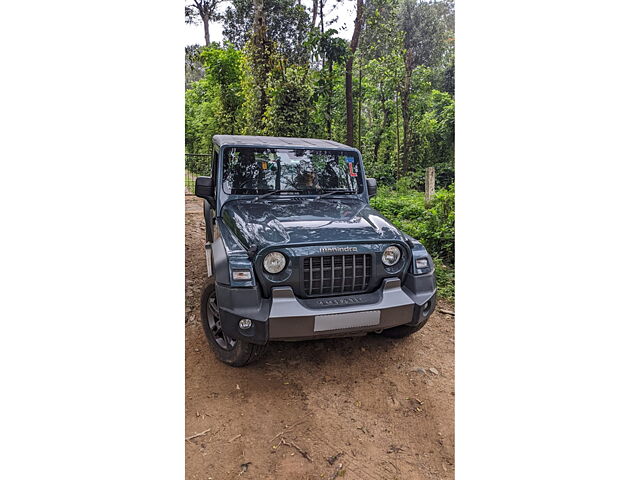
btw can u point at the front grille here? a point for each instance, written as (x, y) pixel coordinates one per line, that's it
(336, 274)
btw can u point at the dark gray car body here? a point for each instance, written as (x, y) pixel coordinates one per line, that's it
(241, 230)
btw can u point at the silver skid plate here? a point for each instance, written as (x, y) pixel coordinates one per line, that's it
(346, 320)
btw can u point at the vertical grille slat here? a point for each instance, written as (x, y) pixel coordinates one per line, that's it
(349, 274)
(353, 277)
(364, 271)
(333, 274)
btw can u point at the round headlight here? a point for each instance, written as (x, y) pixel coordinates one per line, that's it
(274, 262)
(391, 255)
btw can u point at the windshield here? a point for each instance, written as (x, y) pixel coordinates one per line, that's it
(248, 170)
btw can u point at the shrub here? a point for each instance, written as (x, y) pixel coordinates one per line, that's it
(445, 277)
(432, 225)
(198, 164)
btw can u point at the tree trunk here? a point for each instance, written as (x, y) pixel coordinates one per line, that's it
(329, 99)
(321, 31)
(261, 58)
(349, 98)
(359, 106)
(205, 21)
(405, 130)
(406, 116)
(377, 138)
(314, 15)
(348, 76)
(398, 167)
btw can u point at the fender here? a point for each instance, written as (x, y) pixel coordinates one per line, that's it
(220, 261)
(209, 220)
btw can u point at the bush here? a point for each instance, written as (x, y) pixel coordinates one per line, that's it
(445, 277)
(432, 225)
(198, 164)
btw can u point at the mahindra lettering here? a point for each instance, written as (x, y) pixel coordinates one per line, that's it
(295, 252)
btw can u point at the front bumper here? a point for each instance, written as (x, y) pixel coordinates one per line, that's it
(286, 317)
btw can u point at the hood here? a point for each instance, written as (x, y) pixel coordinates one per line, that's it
(291, 221)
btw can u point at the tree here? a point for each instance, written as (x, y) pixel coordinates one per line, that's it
(427, 28)
(435, 132)
(380, 57)
(213, 104)
(260, 50)
(348, 77)
(291, 74)
(289, 111)
(202, 11)
(332, 50)
(382, 76)
(287, 25)
(224, 72)
(193, 69)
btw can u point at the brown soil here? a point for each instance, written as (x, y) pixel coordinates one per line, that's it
(371, 401)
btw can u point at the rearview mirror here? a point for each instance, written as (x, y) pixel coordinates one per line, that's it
(372, 186)
(205, 188)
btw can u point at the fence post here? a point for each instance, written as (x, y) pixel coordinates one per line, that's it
(429, 184)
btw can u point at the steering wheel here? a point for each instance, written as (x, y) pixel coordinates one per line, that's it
(242, 185)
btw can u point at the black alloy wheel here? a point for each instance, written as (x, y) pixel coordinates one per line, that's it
(215, 325)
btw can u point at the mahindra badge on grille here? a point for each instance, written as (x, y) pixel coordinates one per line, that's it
(337, 249)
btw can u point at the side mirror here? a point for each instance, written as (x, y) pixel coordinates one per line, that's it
(372, 186)
(205, 188)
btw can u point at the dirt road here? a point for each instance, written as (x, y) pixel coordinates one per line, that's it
(358, 408)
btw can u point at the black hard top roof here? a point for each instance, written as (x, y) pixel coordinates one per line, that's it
(273, 142)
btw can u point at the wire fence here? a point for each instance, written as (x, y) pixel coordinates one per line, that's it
(195, 165)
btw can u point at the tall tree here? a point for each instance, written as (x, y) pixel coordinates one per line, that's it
(348, 75)
(332, 51)
(314, 14)
(427, 28)
(202, 11)
(287, 25)
(260, 57)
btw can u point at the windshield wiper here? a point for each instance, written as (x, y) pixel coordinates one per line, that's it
(334, 192)
(260, 197)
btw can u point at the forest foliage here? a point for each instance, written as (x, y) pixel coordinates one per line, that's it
(283, 70)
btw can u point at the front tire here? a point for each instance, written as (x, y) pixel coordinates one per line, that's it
(231, 351)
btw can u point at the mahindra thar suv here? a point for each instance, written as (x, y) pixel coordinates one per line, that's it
(295, 252)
